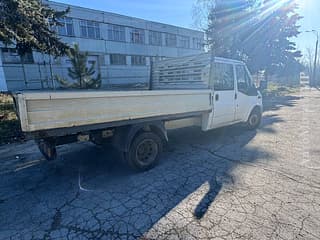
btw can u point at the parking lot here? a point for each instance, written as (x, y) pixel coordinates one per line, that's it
(225, 184)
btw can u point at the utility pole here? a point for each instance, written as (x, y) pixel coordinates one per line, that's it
(314, 72)
(315, 62)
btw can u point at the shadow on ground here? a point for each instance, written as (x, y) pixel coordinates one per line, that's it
(88, 193)
(275, 103)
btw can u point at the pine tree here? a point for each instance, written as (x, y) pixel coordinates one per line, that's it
(28, 24)
(270, 47)
(228, 21)
(79, 71)
(258, 32)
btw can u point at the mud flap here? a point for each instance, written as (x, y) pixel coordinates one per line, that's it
(48, 149)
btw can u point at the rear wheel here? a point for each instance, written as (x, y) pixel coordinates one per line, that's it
(254, 119)
(144, 151)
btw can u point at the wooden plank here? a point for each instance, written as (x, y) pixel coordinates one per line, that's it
(79, 94)
(73, 130)
(183, 72)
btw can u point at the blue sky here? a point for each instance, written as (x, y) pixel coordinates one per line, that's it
(174, 12)
(179, 12)
(310, 10)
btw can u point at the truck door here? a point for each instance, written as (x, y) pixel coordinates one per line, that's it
(223, 95)
(246, 97)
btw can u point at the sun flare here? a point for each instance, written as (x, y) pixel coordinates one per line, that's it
(304, 3)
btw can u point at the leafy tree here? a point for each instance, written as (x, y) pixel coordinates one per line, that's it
(28, 24)
(308, 64)
(79, 71)
(256, 31)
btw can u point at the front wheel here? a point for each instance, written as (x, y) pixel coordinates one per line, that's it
(144, 151)
(254, 119)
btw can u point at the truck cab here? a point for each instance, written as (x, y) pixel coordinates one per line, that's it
(235, 98)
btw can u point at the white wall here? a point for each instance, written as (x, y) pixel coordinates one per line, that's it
(102, 48)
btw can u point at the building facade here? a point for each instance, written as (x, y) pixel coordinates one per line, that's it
(121, 47)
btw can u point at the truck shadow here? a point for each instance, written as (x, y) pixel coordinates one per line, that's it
(195, 166)
(277, 102)
(213, 143)
(191, 160)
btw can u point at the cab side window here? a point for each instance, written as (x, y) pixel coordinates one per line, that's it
(243, 79)
(223, 77)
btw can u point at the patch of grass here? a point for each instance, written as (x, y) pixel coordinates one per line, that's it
(275, 90)
(10, 130)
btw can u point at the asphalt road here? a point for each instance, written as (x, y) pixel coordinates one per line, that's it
(225, 184)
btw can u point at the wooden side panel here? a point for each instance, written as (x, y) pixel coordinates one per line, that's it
(190, 72)
(59, 110)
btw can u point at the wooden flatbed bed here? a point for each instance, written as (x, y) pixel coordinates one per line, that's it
(41, 111)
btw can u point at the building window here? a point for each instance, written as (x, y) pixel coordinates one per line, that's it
(118, 59)
(137, 35)
(10, 55)
(197, 43)
(28, 58)
(89, 29)
(184, 42)
(155, 38)
(138, 60)
(171, 40)
(66, 26)
(154, 59)
(157, 58)
(116, 33)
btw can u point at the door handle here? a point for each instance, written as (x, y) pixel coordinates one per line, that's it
(217, 97)
(211, 99)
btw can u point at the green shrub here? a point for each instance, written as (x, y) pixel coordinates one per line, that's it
(10, 130)
(275, 89)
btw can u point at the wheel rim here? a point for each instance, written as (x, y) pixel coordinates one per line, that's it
(254, 119)
(146, 152)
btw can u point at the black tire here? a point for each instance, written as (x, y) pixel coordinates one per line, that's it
(144, 151)
(254, 119)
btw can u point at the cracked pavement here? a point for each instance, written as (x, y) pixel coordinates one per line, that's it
(225, 184)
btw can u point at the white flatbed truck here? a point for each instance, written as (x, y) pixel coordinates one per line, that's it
(188, 91)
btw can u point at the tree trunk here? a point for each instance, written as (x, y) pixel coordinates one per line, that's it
(24, 71)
